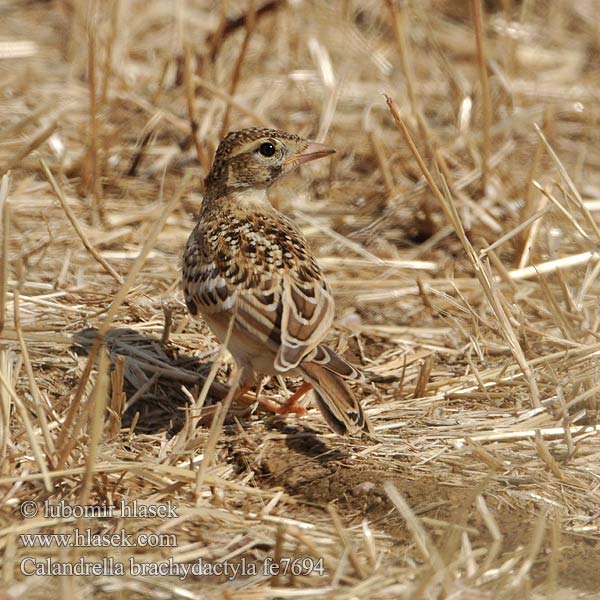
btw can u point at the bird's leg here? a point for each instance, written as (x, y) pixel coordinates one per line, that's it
(240, 396)
(290, 404)
(247, 380)
(220, 390)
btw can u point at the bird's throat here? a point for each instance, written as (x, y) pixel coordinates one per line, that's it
(250, 198)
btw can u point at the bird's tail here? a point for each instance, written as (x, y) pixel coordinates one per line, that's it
(334, 398)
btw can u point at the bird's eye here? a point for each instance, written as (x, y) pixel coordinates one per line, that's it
(267, 149)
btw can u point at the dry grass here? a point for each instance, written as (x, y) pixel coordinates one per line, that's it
(457, 226)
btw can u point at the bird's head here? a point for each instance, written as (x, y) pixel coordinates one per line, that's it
(255, 158)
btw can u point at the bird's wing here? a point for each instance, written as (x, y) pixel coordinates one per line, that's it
(333, 362)
(307, 314)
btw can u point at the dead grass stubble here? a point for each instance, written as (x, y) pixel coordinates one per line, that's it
(457, 226)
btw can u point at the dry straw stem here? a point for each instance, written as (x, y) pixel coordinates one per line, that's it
(77, 226)
(528, 235)
(546, 456)
(399, 23)
(107, 69)
(483, 274)
(428, 550)
(348, 549)
(494, 530)
(485, 92)
(5, 216)
(552, 266)
(208, 457)
(38, 400)
(576, 196)
(564, 211)
(190, 97)
(138, 467)
(94, 148)
(235, 78)
(31, 434)
(5, 405)
(524, 226)
(31, 117)
(377, 149)
(231, 101)
(399, 17)
(118, 397)
(331, 89)
(549, 433)
(532, 550)
(35, 143)
(222, 409)
(487, 457)
(552, 581)
(98, 399)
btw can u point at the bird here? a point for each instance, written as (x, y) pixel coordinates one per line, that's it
(249, 272)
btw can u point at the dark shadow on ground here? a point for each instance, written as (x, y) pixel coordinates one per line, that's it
(303, 440)
(155, 377)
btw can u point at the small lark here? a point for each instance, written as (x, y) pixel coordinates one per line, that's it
(247, 262)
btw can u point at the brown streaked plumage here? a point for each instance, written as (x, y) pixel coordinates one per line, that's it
(245, 260)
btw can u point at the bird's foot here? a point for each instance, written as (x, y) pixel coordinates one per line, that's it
(289, 406)
(281, 409)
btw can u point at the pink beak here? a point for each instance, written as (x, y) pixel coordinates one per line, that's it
(313, 151)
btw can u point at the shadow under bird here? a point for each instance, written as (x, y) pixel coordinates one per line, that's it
(246, 261)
